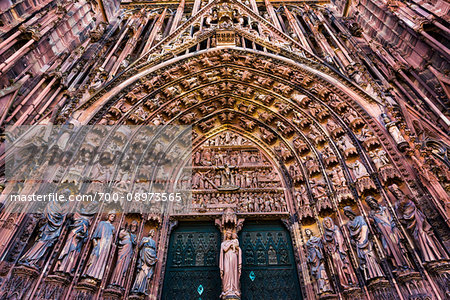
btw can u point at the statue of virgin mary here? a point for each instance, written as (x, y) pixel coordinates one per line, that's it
(230, 266)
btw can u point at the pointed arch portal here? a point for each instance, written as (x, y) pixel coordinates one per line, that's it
(306, 126)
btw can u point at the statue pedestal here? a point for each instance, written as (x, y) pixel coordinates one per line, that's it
(54, 285)
(136, 296)
(407, 276)
(328, 296)
(438, 266)
(353, 292)
(231, 297)
(382, 289)
(19, 284)
(113, 292)
(28, 271)
(440, 271)
(86, 289)
(411, 284)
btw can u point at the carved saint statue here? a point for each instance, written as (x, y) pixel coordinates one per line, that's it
(301, 196)
(359, 231)
(391, 126)
(419, 228)
(78, 235)
(335, 247)
(102, 240)
(389, 233)
(127, 243)
(49, 233)
(316, 261)
(145, 264)
(230, 264)
(359, 170)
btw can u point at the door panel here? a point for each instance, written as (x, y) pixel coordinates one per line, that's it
(193, 263)
(268, 265)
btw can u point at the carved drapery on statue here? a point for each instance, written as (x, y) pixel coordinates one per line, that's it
(316, 261)
(77, 237)
(126, 245)
(145, 265)
(55, 213)
(425, 173)
(336, 248)
(359, 231)
(230, 256)
(389, 234)
(418, 227)
(102, 240)
(230, 264)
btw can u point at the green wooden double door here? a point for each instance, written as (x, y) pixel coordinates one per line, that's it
(268, 265)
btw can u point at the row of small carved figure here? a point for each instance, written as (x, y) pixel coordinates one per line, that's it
(244, 179)
(227, 139)
(385, 226)
(100, 256)
(211, 157)
(250, 202)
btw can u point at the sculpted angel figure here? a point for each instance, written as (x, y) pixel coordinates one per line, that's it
(359, 170)
(391, 126)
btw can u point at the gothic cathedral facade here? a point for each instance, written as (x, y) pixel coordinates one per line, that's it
(318, 162)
